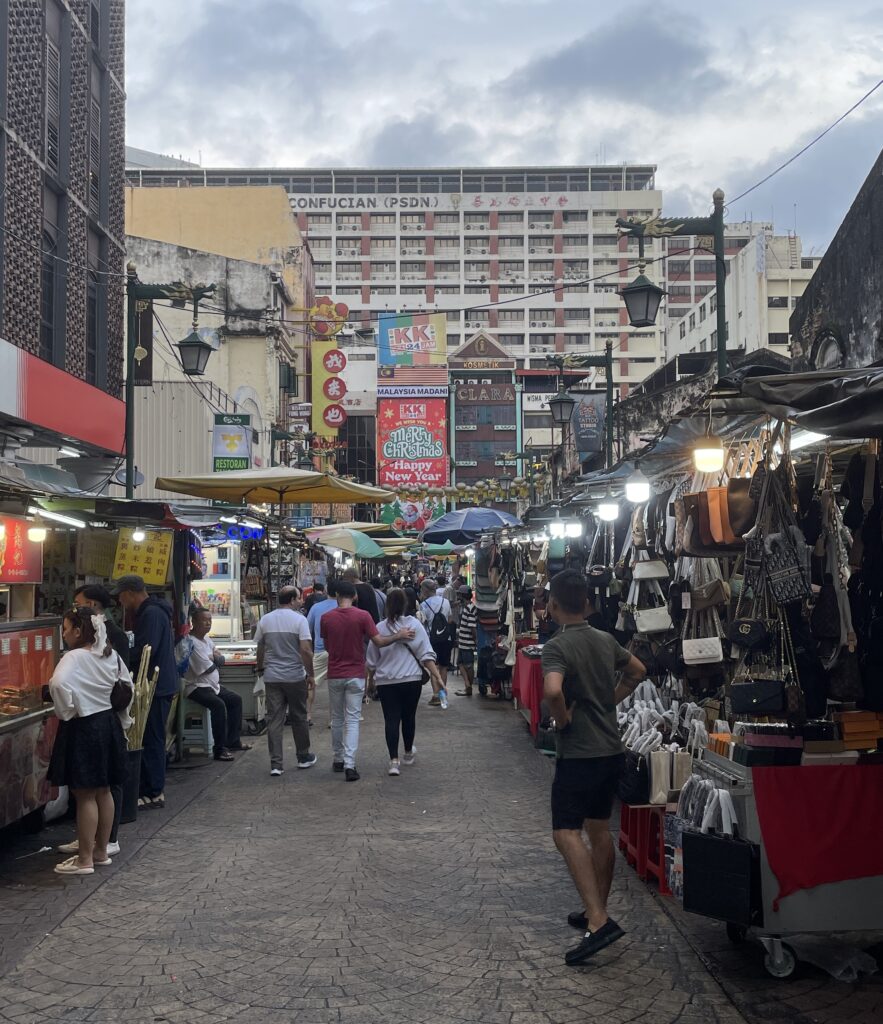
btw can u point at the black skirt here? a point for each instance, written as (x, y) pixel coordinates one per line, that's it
(89, 753)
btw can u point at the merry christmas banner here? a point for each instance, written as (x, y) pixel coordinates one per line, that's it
(412, 443)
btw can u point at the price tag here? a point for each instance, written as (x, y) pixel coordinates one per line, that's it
(23, 644)
(5, 645)
(38, 643)
(50, 643)
(686, 600)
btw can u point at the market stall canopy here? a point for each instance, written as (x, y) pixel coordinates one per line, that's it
(353, 543)
(465, 525)
(279, 485)
(839, 403)
(361, 527)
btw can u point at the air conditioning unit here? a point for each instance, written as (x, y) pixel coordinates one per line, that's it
(468, 252)
(484, 252)
(531, 225)
(533, 323)
(544, 324)
(531, 250)
(548, 250)
(340, 252)
(404, 252)
(405, 227)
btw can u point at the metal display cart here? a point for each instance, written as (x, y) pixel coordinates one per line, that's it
(848, 906)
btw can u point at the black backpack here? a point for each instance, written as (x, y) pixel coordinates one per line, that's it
(439, 628)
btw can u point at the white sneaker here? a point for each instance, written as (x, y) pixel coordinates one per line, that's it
(410, 758)
(112, 849)
(394, 768)
(276, 771)
(72, 847)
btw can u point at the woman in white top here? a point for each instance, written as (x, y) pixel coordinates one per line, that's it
(89, 754)
(396, 672)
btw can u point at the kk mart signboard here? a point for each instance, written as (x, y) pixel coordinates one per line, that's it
(418, 339)
(231, 442)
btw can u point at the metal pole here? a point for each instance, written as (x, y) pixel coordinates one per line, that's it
(608, 356)
(131, 322)
(720, 276)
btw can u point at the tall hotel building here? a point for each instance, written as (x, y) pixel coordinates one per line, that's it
(528, 255)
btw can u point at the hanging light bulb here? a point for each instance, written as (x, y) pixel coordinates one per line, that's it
(557, 528)
(37, 532)
(138, 535)
(608, 510)
(637, 488)
(708, 454)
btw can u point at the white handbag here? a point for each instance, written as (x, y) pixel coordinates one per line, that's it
(653, 620)
(650, 569)
(706, 650)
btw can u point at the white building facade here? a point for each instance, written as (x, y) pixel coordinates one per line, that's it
(764, 281)
(529, 255)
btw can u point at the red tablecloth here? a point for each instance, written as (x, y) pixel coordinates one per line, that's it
(527, 687)
(820, 823)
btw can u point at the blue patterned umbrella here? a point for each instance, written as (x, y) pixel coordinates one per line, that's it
(465, 525)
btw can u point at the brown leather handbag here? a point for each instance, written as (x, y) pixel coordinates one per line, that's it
(705, 534)
(719, 517)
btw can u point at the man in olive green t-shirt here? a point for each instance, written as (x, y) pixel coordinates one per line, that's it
(580, 665)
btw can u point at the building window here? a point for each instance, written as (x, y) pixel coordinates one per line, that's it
(577, 340)
(445, 219)
(712, 303)
(777, 301)
(704, 266)
(47, 298)
(512, 340)
(382, 218)
(702, 313)
(453, 316)
(53, 106)
(95, 153)
(679, 291)
(318, 220)
(678, 268)
(94, 288)
(509, 218)
(692, 321)
(682, 329)
(778, 338)
(511, 316)
(678, 243)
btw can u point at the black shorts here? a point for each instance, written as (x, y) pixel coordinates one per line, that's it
(465, 656)
(584, 787)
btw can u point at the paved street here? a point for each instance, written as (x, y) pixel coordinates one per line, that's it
(434, 897)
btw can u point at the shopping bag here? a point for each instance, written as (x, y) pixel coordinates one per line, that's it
(660, 776)
(634, 783)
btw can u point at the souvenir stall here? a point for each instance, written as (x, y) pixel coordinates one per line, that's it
(749, 573)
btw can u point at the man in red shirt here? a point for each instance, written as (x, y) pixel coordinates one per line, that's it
(345, 631)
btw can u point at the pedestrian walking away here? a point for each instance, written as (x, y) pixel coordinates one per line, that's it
(345, 630)
(89, 753)
(153, 617)
(397, 674)
(202, 685)
(580, 666)
(320, 655)
(285, 658)
(437, 617)
(466, 639)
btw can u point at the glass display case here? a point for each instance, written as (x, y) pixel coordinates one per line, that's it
(28, 653)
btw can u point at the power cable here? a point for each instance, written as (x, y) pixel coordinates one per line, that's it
(809, 145)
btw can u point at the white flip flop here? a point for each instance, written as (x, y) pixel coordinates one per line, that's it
(71, 867)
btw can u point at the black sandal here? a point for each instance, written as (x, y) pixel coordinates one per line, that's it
(224, 755)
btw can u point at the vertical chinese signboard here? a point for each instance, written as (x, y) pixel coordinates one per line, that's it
(418, 339)
(21, 560)
(412, 443)
(329, 388)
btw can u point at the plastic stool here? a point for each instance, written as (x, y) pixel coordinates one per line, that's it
(633, 836)
(198, 735)
(654, 860)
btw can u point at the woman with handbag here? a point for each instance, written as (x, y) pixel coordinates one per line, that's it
(398, 673)
(89, 688)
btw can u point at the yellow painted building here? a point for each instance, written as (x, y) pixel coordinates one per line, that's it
(250, 224)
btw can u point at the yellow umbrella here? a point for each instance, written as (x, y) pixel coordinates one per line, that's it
(279, 485)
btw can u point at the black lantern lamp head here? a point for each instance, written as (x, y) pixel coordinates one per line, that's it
(194, 354)
(561, 408)
(642, 298)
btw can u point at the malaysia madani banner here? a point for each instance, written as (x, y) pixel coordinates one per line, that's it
(413, 339)
(412, 443)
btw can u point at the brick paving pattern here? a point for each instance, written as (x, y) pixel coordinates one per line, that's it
(434, 897)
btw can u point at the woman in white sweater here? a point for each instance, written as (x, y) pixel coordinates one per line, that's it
(396, 672)
(89, 754)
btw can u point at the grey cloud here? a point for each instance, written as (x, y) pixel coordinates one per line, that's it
(421, 141)
(645, 55)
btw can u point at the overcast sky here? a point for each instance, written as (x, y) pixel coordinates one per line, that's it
(714, 94)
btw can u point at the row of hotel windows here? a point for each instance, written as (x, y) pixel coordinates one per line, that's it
(353, 246)
(514, 291)
(474, 220)
(506, 268)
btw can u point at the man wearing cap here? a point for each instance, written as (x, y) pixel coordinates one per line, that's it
(152, 616)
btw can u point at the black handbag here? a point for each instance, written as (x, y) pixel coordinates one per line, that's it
(722, 878)
(750, 634)
(786, 576)
(122, 693)
(599, 577)
(634, 783)
(758, 696)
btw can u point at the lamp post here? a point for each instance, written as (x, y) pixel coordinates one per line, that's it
(642, 297)
(600, 362)
(561, 408)
(194, 351)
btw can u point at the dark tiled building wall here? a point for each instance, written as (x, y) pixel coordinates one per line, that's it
(23, 170)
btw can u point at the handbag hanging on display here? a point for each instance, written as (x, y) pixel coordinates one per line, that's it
(650, 569)
(653, 620)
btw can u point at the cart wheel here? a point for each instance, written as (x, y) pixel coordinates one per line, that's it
(736, 933)
(785, 966)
